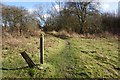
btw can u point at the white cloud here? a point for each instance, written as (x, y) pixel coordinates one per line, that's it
(57, 8)
(105, 6)
(46, 16)
(109, 5)
(108, 0)
(30, 10)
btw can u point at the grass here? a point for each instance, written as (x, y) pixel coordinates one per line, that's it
(98, 59)
(64, 58)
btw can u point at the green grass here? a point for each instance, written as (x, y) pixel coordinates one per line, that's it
(64, 58)
(98, 59)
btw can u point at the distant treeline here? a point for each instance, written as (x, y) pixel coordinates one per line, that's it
(79, 17)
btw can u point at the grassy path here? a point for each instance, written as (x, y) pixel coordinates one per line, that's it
(64, 58)
(85, 58)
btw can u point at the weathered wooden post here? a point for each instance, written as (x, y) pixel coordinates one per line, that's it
(42, 49)
(27, 59)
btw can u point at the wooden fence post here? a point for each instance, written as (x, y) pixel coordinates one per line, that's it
(42, 49)
(27, 59)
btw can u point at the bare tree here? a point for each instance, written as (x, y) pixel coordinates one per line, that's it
(40, 15)
(82, 10)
